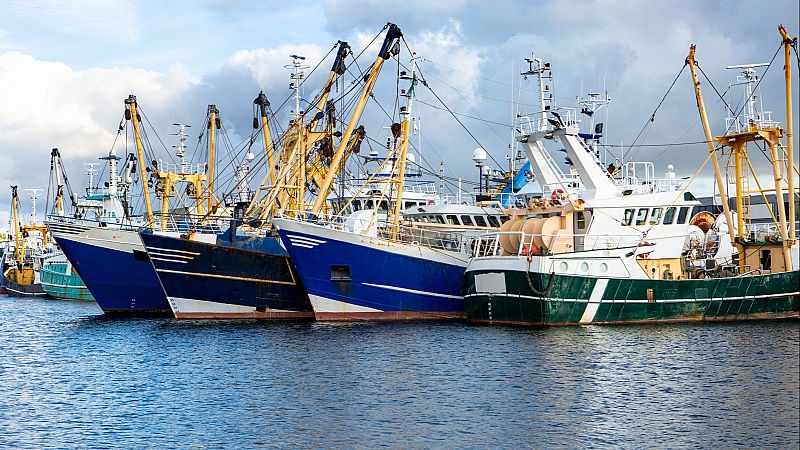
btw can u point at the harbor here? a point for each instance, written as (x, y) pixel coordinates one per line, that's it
(98, 382)
(536, 260)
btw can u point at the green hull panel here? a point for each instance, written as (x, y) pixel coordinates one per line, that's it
(567, 300)
(57, 283)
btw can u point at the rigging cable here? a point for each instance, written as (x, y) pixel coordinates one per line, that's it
(653, 116)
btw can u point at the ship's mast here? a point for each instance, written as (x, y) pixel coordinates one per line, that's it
(297, 76)
(213, 120)
(390, 46)
(34, 198)
(788, 42)
(262, 103)
(406, 113)
(592, 103)
(90, 171)
(130, 102)
(19, 243)
(709, 139)
(537, 67)
(278, 193)
(756, 125)
(58, 176)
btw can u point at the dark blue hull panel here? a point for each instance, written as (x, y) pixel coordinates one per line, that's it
(265, 280)
(121, 282)
(395, 286)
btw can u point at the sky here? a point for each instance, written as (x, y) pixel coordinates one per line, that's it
(67, 65)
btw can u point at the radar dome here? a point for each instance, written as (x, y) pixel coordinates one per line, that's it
(479, 156)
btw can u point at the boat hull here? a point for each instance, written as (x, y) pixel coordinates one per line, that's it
(508, 297)
(209, 281)
(351, 277)
(14, 289)
(114, 266)
(60, 284)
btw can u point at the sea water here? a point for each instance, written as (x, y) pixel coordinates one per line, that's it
(71, 377)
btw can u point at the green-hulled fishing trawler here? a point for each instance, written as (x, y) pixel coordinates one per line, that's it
(626, 251)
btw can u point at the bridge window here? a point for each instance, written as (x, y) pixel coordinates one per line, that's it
(493, 221)
(655, 215)
(669, 216)
(480, 221)
(580, 220)
(683, 214)
(452, 220)
(383, 206)
(628, 218)
(466, 220)
(440, 219)
(641, 216)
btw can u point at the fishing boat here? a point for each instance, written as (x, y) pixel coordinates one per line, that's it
(30, 247)
(246, 273)
(638, 257)
(373, 265)
(104, 246)
(367, 268)
(56, 275)
(59, 280)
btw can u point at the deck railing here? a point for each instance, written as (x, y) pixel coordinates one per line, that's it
(489, 244)
(440, 240)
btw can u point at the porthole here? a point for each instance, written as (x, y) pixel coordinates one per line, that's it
(584, 267)
(563, 266)
(603, 268)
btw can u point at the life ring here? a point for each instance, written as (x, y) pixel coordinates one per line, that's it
(558, 194)
(530, 249)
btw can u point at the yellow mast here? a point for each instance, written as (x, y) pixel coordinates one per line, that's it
(55, 173)
(278, 181)
(709, 139)
(400, 165)
(787, 69)
(131, 103)
(212, 126)
(393, 34)
(262, 103)
(19, 243)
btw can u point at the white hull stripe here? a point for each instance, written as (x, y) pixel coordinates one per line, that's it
(64, 286)
(297, 244)
(169, 250)
(296, 237)
(25, 293)
(170, 255)
(594, 300)
(413, 291)
(677, 300)
(180, 261)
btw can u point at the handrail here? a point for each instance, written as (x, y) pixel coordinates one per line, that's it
(489, 244)
(426, 237)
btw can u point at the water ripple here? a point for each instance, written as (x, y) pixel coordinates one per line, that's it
(70, 377)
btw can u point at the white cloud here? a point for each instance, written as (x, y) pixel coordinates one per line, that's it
(48, 104)
(267, 65)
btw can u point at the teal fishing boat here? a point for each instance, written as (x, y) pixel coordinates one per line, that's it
(59, 280)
